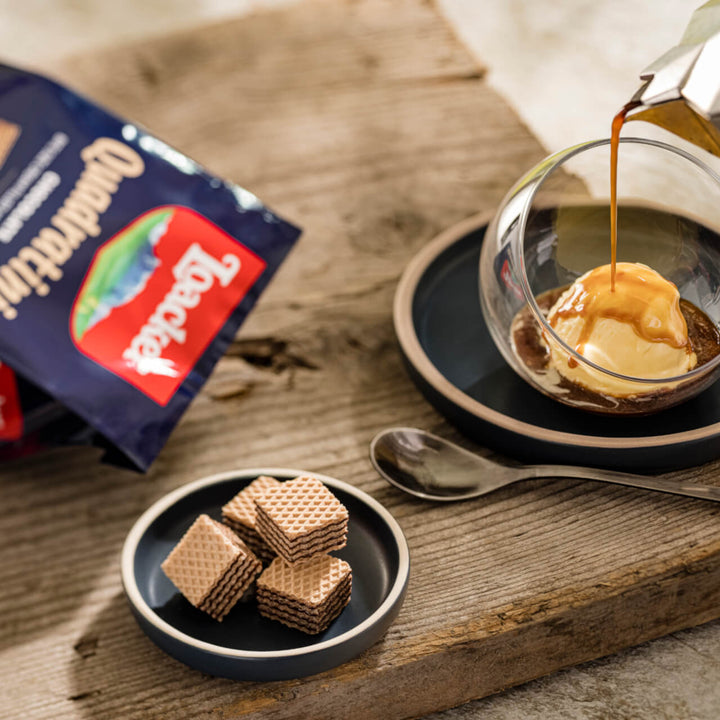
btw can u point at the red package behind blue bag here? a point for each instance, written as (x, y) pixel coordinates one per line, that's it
(125, 270)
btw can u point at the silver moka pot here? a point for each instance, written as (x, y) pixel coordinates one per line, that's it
(681, 89)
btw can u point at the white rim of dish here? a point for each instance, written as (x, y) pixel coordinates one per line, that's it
(413, 350)
(157, 508)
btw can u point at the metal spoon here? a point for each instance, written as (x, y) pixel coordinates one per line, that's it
(430, 467)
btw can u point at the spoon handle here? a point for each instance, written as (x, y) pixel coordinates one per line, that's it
(675, 487)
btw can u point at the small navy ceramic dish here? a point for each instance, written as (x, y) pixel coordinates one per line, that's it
(246, 646)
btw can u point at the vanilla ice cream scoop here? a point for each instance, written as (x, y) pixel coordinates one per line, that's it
(633, 327)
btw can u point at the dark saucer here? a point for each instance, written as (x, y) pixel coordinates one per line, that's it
(453, 360)
(246, 646)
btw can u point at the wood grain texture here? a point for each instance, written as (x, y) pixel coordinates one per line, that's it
(368, 124)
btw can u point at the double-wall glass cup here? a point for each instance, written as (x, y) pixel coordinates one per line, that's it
(554, 226)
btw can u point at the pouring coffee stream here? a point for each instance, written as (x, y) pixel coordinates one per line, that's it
(680, 93)
(617, 124)
(685, 66)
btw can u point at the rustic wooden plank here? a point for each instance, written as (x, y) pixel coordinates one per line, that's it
(367, 123)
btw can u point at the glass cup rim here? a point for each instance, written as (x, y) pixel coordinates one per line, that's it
(558, 159)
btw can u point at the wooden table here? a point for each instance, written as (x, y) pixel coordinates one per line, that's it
(368, 124)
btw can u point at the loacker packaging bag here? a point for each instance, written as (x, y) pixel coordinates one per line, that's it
(125, 271)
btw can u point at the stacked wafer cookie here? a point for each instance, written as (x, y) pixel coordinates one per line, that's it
(308, 595)
(211, 566)
(304, 587)
(240, 515)
(301, 518)
(301, 521)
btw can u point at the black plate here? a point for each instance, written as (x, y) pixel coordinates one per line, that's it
(454, 361)
(245, 645)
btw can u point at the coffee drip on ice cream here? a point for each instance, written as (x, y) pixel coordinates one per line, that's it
(625, 305)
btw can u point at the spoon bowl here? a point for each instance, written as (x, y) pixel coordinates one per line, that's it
(433, 468)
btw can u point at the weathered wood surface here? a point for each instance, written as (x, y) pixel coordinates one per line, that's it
(368, 124)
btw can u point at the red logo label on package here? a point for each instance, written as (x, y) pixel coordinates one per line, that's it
(156, 294)
(11, 419)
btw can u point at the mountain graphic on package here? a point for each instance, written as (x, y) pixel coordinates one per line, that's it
(156, 294)
(120, 271)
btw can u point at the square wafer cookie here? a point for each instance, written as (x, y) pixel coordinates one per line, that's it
(307, 595)
(211, 566)
(239, 514)
(301, 518)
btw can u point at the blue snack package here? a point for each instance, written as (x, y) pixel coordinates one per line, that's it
(125, 271)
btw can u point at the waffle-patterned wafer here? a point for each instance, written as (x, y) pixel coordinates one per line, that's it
(211, 566)
(307, 595)
(301, 518)
(239, 514)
